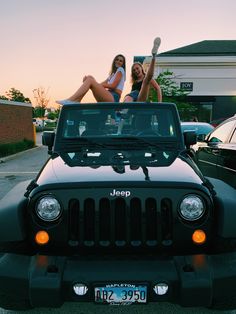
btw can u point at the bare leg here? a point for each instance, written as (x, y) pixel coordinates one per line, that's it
(143, 94)
(99, 92)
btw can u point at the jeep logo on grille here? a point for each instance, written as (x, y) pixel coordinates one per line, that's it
(120, 193)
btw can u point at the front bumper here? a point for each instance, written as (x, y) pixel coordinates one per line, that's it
(47, 281)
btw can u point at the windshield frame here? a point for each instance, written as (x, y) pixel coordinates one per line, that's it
(119, 140)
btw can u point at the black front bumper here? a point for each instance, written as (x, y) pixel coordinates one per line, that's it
(47, 281)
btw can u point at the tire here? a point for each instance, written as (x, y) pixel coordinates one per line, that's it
(14, 304)
(226, 304)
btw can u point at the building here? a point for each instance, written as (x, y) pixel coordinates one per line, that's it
(15, 122)
(207, 70)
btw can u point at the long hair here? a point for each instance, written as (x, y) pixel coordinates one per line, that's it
(113, 67)
(133, 75)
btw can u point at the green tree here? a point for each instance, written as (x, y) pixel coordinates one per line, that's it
(15, 95)
(3, 97)
(57, 112)
(171, 92)
(170, 89)
(51, 115)
(38, 112)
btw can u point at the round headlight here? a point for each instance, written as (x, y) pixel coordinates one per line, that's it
(192, 208)
(48, 208)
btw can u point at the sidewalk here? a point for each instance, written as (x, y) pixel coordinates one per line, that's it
(39, 138)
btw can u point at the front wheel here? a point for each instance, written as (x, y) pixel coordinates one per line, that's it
(226, 304)
(14, 304)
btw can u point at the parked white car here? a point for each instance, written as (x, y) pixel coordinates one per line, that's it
(38, 122)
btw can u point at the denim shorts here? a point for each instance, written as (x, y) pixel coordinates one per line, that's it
(116, 96)
(134, 94)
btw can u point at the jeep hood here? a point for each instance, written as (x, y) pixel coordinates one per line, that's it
(57, 170)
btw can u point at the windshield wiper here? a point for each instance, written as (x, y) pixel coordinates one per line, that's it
(81, 144)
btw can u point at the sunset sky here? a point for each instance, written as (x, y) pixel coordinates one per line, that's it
(54, 43)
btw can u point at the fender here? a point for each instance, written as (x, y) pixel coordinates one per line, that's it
(12, 212)
(225, 204)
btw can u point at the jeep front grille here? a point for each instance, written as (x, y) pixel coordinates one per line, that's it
(120, 222)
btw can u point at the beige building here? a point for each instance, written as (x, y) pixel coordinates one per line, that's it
(207, 70)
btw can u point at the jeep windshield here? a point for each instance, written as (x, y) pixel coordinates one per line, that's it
(117, 126)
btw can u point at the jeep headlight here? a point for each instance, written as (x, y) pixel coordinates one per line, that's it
(191, 208)
(48, 208)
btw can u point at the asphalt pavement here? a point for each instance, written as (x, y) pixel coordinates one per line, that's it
(21, 166)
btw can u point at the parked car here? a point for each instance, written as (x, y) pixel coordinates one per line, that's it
(217, 122)
(119, 215)
(38, 122)
(216, 155)
(201, 128)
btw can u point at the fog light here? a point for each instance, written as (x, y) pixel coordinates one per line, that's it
(161, 288)
(199, 236)
(80, 288)
(42, 237)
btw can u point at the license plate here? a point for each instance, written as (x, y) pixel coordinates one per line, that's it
(123, 294)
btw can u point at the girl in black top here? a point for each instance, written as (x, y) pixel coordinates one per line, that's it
(141, 82)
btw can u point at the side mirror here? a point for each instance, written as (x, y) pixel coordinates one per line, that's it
(190, 138)
(48, 140)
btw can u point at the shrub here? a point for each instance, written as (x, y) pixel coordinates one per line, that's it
(13, 148)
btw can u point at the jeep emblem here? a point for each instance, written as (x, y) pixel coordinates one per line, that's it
(120, 193)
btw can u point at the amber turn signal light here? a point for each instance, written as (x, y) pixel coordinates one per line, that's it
(42, 237)
(199, 236)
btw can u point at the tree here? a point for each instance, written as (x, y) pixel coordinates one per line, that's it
(42, 100)
(38, 112)
(171, 92)
(3, 97)
(51, 115)
(57, 112)
(170, 89)
(15, 95)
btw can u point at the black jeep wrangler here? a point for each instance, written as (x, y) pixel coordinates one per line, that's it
(119, 214)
